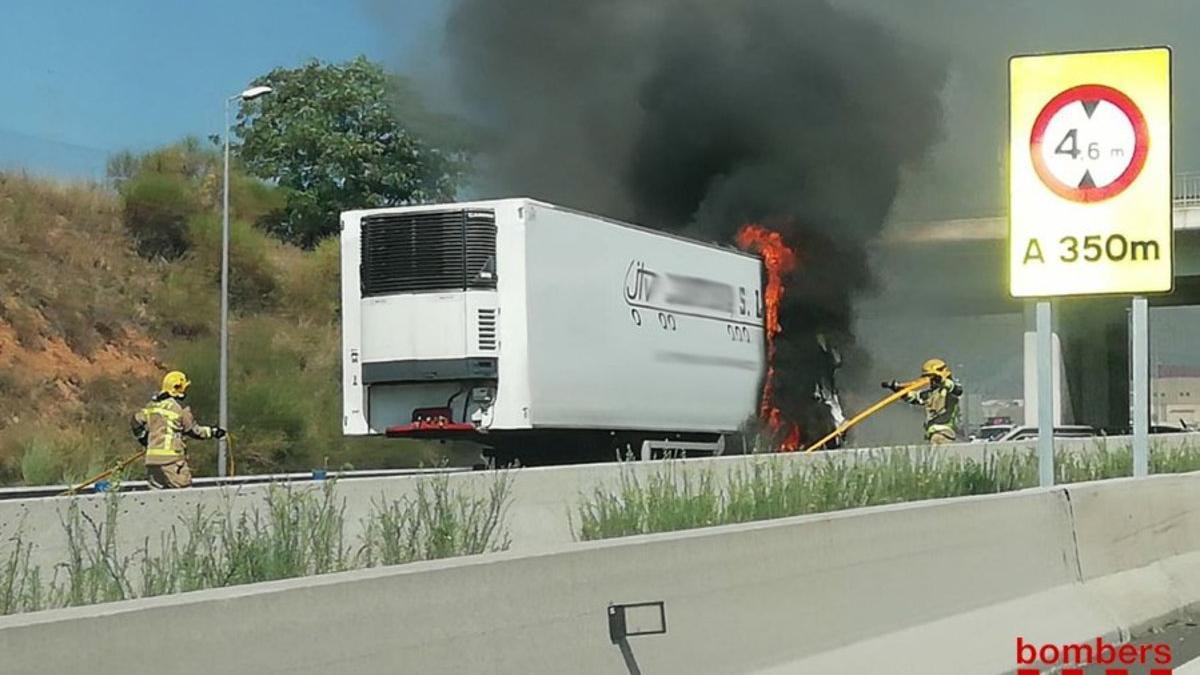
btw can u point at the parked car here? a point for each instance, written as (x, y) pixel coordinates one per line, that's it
(990, 432)
(1156, 428)
(1066, 431)
(1181, 428)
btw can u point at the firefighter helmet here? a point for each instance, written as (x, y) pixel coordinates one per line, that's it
(936, 367)
(175, 384)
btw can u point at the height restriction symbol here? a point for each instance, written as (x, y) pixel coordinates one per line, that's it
(1089, 143)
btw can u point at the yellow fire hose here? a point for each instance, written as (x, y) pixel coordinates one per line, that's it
(908, 388)
(101, 476)
(135, 457)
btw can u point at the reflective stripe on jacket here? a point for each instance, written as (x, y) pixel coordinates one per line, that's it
(166, 424)
(941, 407)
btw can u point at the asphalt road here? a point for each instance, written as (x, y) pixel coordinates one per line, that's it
(1184, 639)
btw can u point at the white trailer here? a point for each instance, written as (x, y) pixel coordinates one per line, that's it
(544, 333)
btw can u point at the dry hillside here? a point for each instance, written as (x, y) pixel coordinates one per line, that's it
(76, 343)
(87, 327)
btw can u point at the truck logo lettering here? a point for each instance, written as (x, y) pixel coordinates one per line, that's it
(639, 282)
(687, 295)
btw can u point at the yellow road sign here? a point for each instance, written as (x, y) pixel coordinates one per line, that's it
(1090, 173)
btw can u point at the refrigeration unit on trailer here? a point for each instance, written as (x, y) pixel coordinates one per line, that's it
(544, 333)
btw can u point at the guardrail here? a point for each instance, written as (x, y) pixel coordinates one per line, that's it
(1187, 189)
(37, 491)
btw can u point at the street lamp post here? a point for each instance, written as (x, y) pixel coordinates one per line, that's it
(223, 415)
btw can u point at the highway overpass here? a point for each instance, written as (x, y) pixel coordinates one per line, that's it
(959, 269)
(970, 258)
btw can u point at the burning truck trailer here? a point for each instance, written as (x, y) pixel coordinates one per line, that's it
(553, 336)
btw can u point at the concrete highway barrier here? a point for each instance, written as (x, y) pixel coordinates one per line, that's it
(944, 586)
(543, 498)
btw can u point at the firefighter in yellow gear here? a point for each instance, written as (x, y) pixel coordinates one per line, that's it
(163, 427)
(940, 400)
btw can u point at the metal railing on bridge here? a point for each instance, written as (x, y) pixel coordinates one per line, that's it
(1187, 189)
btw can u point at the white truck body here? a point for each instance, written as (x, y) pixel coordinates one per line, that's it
(567, 321)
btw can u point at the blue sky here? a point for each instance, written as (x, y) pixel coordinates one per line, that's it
(84, 78)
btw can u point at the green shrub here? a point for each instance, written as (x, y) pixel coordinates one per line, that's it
(267, 404)
(50, 456)
(188, 159)
(187, 302)
(267, 345)
(40, 464)
(253, 201)
(312, 284)
(252, 274)
(157, 208)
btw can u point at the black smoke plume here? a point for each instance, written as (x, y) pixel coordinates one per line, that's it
(703, 115)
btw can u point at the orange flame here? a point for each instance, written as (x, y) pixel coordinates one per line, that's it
(779, 259)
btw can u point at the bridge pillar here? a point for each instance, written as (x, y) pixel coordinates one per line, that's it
(1095, 344)
(1062, 394)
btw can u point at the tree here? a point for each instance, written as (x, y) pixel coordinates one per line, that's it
(330, 137)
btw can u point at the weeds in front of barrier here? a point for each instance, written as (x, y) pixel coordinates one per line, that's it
(21, 586)
(436, 522)
(1182, 458)
(671, 498)
(297, 531)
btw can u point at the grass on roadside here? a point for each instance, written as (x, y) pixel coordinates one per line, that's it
(436, 522)
(775, 487)
(296, 531)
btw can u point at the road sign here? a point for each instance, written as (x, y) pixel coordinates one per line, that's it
(1090, 173)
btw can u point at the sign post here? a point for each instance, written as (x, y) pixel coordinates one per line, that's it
(1045, 393)
(1090, 198)
(1140, 332)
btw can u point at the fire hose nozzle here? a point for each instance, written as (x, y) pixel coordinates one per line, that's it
(892, 386)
